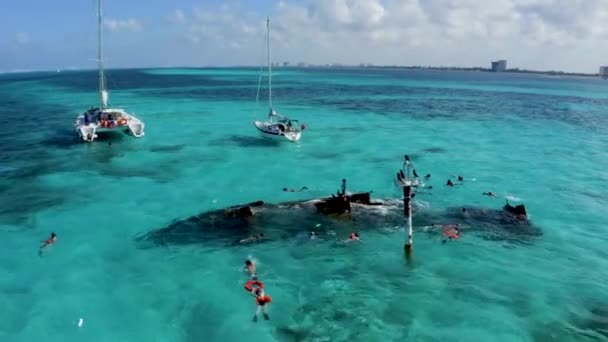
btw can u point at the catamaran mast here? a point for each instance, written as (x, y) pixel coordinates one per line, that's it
(102, 82)
(269, 65)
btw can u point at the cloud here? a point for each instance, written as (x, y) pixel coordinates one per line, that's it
(225, 27)
(543, 34)
(22, 38)
(127, 25)
(177, 17)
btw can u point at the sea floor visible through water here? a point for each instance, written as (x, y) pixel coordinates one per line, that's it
(538, 141)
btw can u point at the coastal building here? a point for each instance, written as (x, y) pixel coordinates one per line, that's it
(604, 71)
(499, 66)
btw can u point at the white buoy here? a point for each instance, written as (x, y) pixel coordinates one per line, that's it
(80, 322)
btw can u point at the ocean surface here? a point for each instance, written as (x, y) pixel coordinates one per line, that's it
(538, 141)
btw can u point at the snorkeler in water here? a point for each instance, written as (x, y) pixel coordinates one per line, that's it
(254, 238)
(250, 268)
(353, 237)
(47, 243)
(261, 299)
(452, 233)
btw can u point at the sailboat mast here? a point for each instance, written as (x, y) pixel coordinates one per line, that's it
(102, 85)
(269, 64)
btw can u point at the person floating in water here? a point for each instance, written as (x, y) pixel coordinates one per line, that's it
(490, 193)
(47, 243)
(452, 233)
(295, 190)
(353, 237)
(261, 299)
(250, 239)
(250, 268)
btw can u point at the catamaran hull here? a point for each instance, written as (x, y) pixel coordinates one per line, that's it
(265, 132)
(88, 132)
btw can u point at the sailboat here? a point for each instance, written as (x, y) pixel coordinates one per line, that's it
(278, 126)
(102, 118)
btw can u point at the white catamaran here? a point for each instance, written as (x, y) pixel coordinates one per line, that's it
(102, 118)
(277, 126)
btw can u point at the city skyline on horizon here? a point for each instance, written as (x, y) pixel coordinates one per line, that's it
(539, 35)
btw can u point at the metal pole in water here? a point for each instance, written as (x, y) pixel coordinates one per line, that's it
(407, 211)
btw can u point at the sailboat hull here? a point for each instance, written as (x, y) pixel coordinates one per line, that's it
(271, 131)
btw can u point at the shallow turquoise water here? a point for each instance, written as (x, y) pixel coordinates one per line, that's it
(538, 139)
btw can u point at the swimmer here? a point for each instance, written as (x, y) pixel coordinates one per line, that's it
(250, 268)
(353, 237)
(295, 190)
(450, 183)
(262, 300)
(460, 179)
(313, 235)
(489, 193)
(47, 243)
(428, 175)
(254, 238)
(464, 211)
(452, 233)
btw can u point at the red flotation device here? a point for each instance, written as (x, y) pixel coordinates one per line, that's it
(249, 285)
(452, 234)
(263, 300)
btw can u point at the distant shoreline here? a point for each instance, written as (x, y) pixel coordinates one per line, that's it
(335, 66)
(472, 69)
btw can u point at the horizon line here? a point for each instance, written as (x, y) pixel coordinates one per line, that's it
(303, 65)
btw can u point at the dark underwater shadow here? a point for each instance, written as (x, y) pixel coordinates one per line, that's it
(245, 141)
(435, 150)
(64, 139)
(167, 148)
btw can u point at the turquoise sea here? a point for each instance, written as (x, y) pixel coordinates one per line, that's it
(539, 140)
